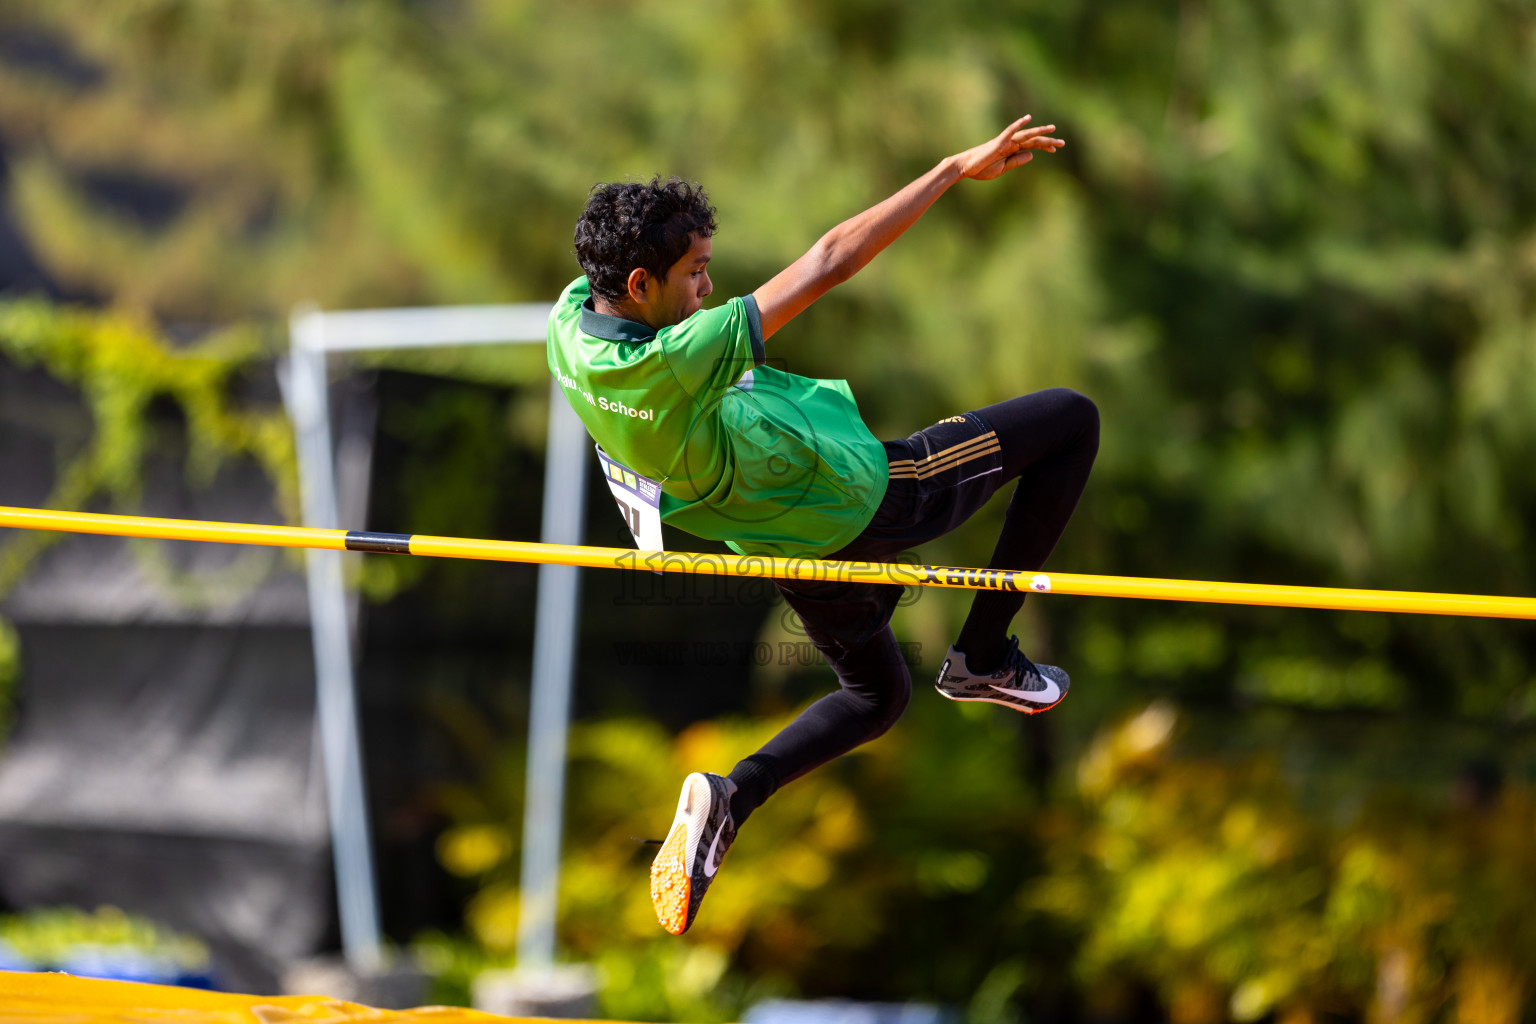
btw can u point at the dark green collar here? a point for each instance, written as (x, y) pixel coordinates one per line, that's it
(612, 328)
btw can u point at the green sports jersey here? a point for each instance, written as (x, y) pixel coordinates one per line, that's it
(767, 461)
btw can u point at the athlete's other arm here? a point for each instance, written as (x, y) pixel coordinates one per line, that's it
(844, 251)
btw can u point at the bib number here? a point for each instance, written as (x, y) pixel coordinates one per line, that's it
(639, 501)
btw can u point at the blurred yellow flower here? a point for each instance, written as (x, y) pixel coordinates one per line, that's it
(471, 850)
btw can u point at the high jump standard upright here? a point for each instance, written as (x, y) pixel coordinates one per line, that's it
(313, 335)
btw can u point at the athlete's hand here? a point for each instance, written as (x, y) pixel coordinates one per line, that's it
(1013, 148)
(847, 248)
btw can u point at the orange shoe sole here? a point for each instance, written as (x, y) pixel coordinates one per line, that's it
(670, 887)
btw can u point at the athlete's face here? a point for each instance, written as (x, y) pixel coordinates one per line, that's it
(681, 294)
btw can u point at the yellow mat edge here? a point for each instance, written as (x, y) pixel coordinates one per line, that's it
(40, 996)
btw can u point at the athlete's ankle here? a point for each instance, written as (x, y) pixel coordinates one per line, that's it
(984, 658)
(755, 780)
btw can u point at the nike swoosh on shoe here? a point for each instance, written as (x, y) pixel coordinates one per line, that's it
(1050, 695)
(711, 863)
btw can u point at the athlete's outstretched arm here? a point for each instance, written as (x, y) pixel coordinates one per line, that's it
(844, 251)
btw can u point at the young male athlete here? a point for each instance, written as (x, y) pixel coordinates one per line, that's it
(772, 463)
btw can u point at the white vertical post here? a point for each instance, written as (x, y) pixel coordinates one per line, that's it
(555, 626)
(554, 657)
(336, 707)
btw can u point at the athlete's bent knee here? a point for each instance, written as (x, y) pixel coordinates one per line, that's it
(1080, 411)
(875, 678)
(888, 706)
(880, 697)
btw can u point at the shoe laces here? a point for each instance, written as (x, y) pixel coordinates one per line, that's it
(1015, 659)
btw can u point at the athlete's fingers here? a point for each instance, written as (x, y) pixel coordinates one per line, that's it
(1014, 128)
(1033, 133)
(1002, 152)
(1037, 139)
(1018, 159)
(1002, 165)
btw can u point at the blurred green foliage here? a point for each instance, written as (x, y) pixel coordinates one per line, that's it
(10, 668)
(50, 937)
(1290, 250)
(120, 363)
(1210, 878)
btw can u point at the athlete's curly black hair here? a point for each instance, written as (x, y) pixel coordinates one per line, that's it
(628, 225)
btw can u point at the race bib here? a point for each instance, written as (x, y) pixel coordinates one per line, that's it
(639, 501)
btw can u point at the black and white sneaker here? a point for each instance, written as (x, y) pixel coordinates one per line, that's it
(1020, 683)
(690, 855)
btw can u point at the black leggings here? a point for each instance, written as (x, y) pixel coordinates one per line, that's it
(1048, 441)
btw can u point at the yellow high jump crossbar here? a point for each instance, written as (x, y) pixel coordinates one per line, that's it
(779, 568)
